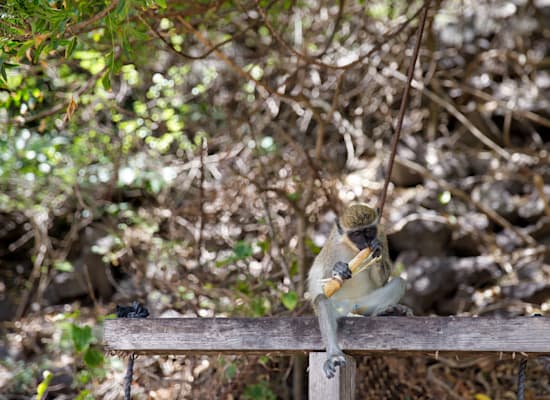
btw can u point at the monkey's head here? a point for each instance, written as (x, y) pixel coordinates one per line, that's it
(359, 223)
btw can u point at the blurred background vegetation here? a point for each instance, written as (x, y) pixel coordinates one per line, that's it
(193, 156)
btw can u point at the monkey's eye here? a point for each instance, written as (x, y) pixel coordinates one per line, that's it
(370, 233)
(355, 235)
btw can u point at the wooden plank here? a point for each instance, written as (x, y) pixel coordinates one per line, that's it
(360, 335)
(341, 387)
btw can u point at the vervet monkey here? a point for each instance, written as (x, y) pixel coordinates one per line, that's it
(368, 293)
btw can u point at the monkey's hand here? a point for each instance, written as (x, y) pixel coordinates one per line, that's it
(376, 247)
(341, 271)
(333, 361)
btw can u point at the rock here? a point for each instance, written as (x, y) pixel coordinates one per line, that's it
(500, 196)
(426, 236)
(531, 292)
(532, 206)
(88, 269)
(445, 284)
(411, 148)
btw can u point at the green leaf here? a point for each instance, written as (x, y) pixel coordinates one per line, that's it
(258, 391)
(43, 386)
(93, 358)
(84, 395)
(230, 371)
(444, 197)
(161, 3)
(82, 337)
(63, 266)
(242, 250)
(120, 9)
(106, 81)
(310, 244)
(3, 72)
(290, 300)
(259, 306)
(264, 245)
(70, 48)
(293, 268)
(293, 196)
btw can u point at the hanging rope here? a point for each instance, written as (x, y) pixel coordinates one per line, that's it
(136, 310)
(521, 379)
(404, 102)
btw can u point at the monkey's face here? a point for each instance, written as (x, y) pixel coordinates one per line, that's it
(363, 237)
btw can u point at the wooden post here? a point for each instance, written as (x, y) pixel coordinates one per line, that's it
(341, 387)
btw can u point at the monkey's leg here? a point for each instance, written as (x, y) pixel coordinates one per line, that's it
(328, 324)
(382, 299)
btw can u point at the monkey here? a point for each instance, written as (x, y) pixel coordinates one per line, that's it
(370, 292)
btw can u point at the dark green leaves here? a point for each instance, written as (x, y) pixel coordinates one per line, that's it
(81, 336)
(289, 300)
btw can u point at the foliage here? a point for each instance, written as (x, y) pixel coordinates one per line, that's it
(211, 142)
(258, 391)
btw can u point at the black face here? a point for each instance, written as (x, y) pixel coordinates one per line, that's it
(363, 237)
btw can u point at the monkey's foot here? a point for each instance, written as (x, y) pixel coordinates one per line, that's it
(341, 270)
(333, 361)
(397, 310)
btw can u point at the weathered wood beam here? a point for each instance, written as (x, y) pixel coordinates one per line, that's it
(341, 387)
(362, 335)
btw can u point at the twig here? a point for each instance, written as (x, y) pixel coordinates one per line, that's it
(341, 4)
(439, 382)
(186, 55)
(277, 249)
(404, 102)
(311, 164)
(90, 286)
(539, 185)
(203, 149)
(322, 123)
(487, 97)
(491, 214)
(39, 222)
(201, 38)
(455, 113)
(314, 61)
(58, 107)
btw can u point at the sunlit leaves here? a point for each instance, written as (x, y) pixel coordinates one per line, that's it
(63, 266)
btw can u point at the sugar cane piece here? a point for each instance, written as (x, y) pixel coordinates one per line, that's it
(335, 283)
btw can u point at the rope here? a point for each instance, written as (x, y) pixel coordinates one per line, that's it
(129, 377)
(136, 310)
(521, 379)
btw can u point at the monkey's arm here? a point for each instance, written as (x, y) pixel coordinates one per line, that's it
(328, 324)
